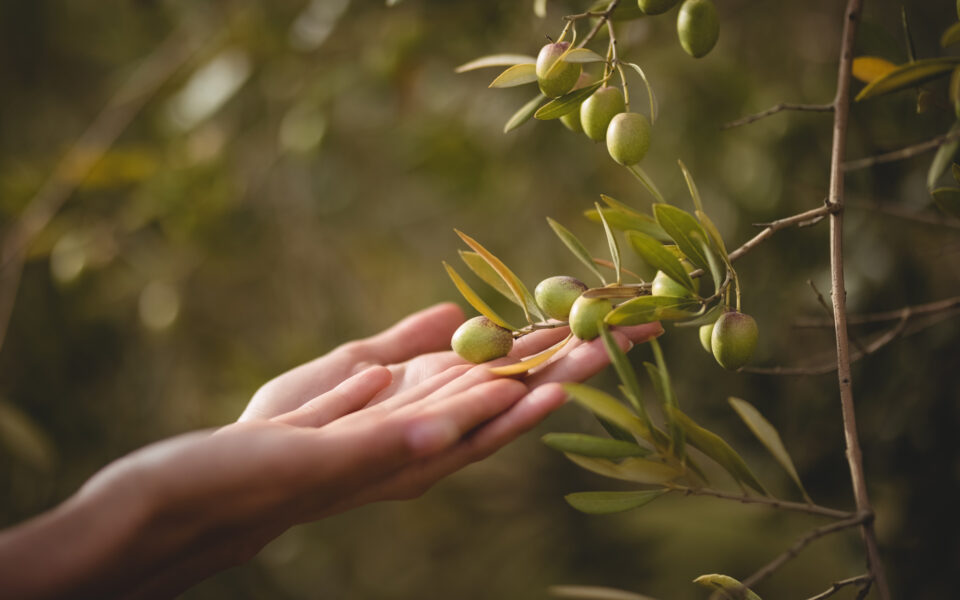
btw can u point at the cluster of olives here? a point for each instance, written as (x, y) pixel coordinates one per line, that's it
(561, 297)
(602, 116)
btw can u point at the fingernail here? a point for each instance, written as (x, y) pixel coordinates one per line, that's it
(431, 435)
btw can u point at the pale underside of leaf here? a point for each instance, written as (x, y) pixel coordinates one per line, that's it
(637, 470)
(647, 309)
(516, 75)
(523, 296)
(726, 585)
(496, 60)
(605, 503)
(583, 55)
(532, 362)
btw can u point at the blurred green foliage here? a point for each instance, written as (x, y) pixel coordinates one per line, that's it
(295, 184)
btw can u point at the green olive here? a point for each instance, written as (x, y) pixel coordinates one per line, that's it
(656, 7)
(734, 339)
(556, 295)
(571, 120)
(628, 138)
(664, 285)
(698, 27)
(706, 335)
(597, 110)
(556, 77)
(586, 314)
(479, 339)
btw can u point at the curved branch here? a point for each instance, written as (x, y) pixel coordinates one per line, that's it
(811, 509)
(599, 24)
(863, 580)
(902, 153)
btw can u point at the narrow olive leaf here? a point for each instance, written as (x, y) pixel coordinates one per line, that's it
(625, 372)
(948, 201)
(583, 55)
(716, 269)
(646, 182)
(608, 408)
(908, 75)
(955, 170)
(953, 91)
(623, 221)
(614, 291)
(524, 114)
(567, 103)
(717, 449)
(707, 316)
(650, 96)
(605, 503)
(647, 309)
(496, 60)
(482, 269)
(589, 592)
(612, 243)
(614, 203)
(654, 254)
(615, 432)
(576, 247)
(714, 234)
(602, 262)
(534, 361)
(768, 436)
(951, 36)
(638, 470)
(870, 68)
(582, 444)
(520, 291)
(540, 8)
(692, 186)
(516, 75)
(942, 159)
(669, 396)
(728, 587)
(475, 301)
(685, 231)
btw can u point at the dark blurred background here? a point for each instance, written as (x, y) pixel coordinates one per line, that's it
(291, 182)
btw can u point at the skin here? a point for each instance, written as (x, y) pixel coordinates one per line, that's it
(381, 418)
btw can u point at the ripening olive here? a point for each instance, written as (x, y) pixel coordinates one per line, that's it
(734, 339)
(586, 314)
(597, 110)
(556, 77)
(698, 27)
(628, 138)
(706, 335)
(555, 295)
(479, 339)
(656, 7)
(571, 120)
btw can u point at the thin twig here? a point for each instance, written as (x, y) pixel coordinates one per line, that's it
(854, 453)
(863, 580)
(778, 108)
(830, 367)
(902, 213)
(902, 153)
(887, 315)
(812, 509)
(86, 152)
(802, 543)
(599, 24)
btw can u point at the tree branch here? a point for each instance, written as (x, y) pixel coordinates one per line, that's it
(902, 153)
(874, 346)
(802, 543)
(778, 108)
(902, 213)
(888, 315)
(835, 198)
(599, 24)
(812, 509)
(863, 580)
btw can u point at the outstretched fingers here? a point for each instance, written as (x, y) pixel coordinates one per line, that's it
(351, 395)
